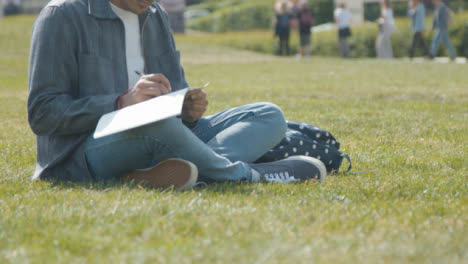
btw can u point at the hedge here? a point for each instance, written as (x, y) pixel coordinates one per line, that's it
(215, 5)
(237, 15)
(325, 43)
(363, 41)
(241, 17)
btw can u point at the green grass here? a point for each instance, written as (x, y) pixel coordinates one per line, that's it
(404, 124)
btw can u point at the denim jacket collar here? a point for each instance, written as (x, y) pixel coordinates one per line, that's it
(102, 9)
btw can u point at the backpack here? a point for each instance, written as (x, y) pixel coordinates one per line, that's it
(308, 140)
(306, 18)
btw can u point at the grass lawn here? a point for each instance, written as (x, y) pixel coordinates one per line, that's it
(404, 124)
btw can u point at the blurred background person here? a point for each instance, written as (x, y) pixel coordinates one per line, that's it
(386, 29)
(305, 19)
(11, 7)
(343, 18)
(175, 10)
(283, 28)
(294, 8)
(417, 13)
(442, 18)
(465, 41)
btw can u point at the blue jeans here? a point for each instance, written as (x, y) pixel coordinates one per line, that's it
(442, 35)
(221, 145)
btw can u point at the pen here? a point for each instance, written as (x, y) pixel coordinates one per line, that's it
(139, 73)
(202, 87)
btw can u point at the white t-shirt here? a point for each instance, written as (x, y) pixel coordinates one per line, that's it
(343, 17)
(135, 60)
(388, 17)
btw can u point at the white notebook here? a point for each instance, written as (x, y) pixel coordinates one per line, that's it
(141, 114)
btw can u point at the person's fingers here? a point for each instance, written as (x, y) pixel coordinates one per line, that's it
(197, 99)
(195, 114)
(147, 87)
(194, 110)
(196, 93)
(151, 92)
(202, 104)
(163, 88)
(145, 84)
(159, 78)
(198, 108)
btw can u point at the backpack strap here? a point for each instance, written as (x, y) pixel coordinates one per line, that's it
(343, 155)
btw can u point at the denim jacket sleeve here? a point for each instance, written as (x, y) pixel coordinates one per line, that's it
(55, 106)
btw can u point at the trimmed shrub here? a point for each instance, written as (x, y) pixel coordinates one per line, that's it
(241, 17)
(238, 15)
(372, 10)
(215, 5)
(362, 41)
(323, 10)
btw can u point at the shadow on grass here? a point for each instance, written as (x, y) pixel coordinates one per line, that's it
(214, 187)
(240, 187)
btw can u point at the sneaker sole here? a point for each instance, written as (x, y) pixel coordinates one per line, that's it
(319, 164)
(179, 173)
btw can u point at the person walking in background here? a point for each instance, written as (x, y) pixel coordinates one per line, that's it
(343, 18)
(283, 28)
(465, 41)
(12, 7)
(386, 29)
(1, 9)
(417, 12)
(294, 8)
(306, 19)
(442, 17)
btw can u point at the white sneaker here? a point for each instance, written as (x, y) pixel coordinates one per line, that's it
(179, 173)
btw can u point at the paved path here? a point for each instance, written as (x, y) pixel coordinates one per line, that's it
(458, 60)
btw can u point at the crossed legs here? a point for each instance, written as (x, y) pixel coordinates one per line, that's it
(221, 145)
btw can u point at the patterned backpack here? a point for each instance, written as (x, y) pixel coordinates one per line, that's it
(309, 140)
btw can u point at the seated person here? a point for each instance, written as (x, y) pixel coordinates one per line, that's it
(84, 55)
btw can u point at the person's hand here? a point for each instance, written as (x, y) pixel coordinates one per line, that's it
(195, 104)
(149, 86)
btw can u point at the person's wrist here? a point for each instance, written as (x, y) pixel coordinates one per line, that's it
(188, 118)
(190, 124)
(120, 103)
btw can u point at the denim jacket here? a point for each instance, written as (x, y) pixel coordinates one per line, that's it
(418, 16)
(440, 17)
(77, 70)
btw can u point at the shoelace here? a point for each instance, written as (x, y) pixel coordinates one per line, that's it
(279, 177)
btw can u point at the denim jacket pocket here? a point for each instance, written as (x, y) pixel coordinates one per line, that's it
(95, 76)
